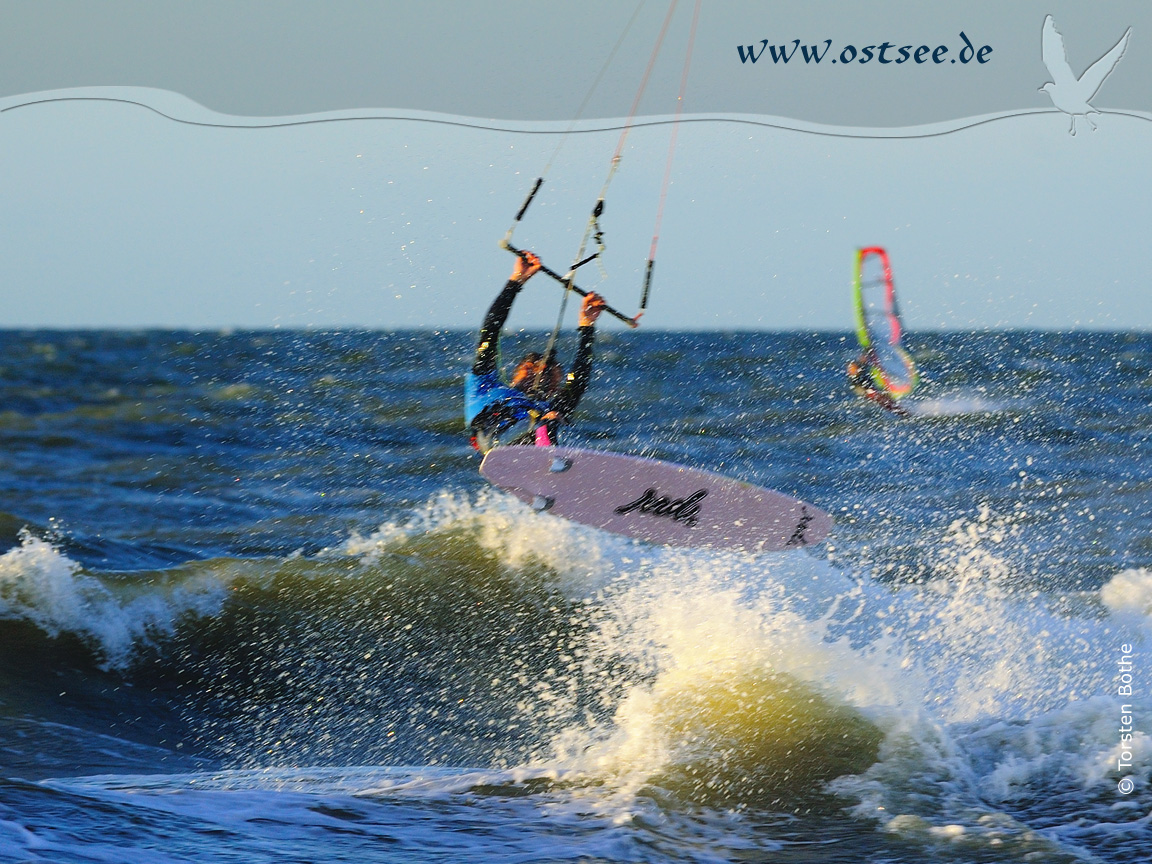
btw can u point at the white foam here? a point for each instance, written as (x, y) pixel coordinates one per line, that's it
(1128, 595)
(956, 405)
(40, 584)
(989, 692)
(510, 530)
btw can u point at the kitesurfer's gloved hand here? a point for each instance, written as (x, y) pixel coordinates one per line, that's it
(527, 264)
(591, 309)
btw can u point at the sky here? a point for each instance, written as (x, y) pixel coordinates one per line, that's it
(352, 165)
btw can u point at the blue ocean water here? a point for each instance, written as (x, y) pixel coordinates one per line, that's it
(256, 604)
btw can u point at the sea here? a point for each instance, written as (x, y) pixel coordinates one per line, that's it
(257, 604)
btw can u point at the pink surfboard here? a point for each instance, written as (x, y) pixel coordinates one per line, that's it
(655, 501)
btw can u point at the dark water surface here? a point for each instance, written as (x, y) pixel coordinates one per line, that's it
(256, 604)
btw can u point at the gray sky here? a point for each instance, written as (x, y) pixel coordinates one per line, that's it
(531, 60)
(117, 215)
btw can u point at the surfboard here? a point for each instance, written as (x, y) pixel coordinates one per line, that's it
(655, 501)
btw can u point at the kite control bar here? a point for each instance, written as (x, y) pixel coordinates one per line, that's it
(567, 281)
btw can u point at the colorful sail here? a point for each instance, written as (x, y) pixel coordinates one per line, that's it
(878, 324)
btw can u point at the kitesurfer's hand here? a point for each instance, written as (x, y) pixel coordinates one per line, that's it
(591, 309)
(527, 264)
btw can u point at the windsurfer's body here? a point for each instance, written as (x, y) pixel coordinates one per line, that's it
(539, 398)
(863, 384)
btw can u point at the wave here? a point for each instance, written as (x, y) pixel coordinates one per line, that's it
(473, 632)
(112, 614)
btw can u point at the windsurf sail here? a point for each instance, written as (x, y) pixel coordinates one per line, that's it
(878, 326)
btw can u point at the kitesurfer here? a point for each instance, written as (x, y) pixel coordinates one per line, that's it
(861, 381)
(539, 398)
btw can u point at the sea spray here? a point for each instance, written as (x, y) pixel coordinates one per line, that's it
(734, 698)
(503, 527)
(40, 584)
(1021, 714)
(452, 636)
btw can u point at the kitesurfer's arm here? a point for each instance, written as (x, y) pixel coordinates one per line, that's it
(577, 380)
(488, 349)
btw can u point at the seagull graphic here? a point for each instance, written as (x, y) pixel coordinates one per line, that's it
(1067, 92)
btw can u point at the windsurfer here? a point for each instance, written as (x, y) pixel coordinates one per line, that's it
(530, 408)
(861, 381)
(884, 372)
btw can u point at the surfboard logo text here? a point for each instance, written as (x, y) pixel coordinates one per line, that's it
(798, 538)
(679, 510)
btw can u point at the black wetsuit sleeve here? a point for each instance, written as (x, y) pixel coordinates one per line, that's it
(565, 403)
(488, 348)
